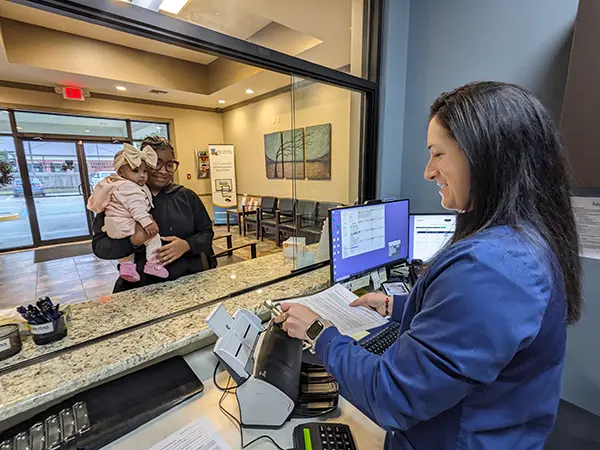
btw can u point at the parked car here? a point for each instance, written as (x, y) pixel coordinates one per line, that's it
(96, 177)
(36, 187)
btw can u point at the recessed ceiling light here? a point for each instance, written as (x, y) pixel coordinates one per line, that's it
(249, 91)
(121, 88)
(87, 131)
(221, 101)
(172, 6)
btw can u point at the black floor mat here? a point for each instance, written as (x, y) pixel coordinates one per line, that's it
(62, 251)
(575, 429)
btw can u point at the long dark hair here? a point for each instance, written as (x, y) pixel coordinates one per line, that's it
(518, 171)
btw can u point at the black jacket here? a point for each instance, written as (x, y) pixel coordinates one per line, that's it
(178, 211)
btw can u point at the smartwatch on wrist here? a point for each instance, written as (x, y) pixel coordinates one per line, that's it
(316, 328)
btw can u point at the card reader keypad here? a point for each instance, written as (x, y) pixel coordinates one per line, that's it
(323, 436)
(336, 437)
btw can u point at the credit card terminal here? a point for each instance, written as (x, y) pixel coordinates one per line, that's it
(323, 436)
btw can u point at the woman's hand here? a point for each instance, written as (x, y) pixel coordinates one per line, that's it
(375, 300)
(296, 319)
(139, 237)
(172, 251)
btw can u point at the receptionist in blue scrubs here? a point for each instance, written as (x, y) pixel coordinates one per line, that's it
(479, 359)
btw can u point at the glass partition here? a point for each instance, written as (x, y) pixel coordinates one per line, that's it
(327, 120)
(248, 252)
(330, 33)
(267, 154)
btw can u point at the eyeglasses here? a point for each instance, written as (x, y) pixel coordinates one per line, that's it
(170, 166)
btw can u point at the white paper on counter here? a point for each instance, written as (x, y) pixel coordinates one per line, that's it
(334, 304)
(587, 217)
(198, 435)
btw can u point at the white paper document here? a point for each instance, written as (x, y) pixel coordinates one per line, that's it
(587, 217)
(198, 435)
(334, 304)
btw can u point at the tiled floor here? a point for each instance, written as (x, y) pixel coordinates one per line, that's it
(71, 280)
(67, 280)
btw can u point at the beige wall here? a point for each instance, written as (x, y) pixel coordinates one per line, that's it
(316, 104)
(190, 130)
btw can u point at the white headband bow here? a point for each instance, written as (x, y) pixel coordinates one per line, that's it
(134, 157)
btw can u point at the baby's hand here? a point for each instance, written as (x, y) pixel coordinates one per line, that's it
(152, 229)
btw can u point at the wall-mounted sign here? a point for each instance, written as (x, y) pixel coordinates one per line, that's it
(222, 171)
(202, 165)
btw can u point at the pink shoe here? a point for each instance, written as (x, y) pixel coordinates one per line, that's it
(156, 269)
(128, 272)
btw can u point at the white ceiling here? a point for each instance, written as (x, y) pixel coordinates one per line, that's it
(239, 18)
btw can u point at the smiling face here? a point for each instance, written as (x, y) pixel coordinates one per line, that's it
(448, 166)
(160, 178)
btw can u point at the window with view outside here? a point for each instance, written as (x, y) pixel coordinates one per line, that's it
(14, 218)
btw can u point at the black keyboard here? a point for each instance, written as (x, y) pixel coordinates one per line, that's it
(323, 436)
(383, 340)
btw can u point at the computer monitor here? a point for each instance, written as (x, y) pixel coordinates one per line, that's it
(429, 233)
(364, 238)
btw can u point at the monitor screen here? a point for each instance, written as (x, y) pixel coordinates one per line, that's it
(429, 233)
(366, 237)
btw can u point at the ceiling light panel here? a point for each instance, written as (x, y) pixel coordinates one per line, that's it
(172, 6)
(152, 5)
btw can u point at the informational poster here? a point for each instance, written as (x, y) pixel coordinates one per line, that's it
(202, 164)
(587, 217)
(222, 171)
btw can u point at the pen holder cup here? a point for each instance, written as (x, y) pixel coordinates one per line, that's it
(46, 333)
(10, 341)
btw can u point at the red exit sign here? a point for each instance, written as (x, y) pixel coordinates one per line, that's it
(73, 93)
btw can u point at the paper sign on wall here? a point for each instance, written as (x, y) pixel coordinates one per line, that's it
(222, 172)
(587, 217)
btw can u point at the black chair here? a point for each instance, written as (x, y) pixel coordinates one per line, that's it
(284, 214)
(311, 229)
(265, 211)
(305, 216)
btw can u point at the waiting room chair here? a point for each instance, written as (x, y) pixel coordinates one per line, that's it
(284, 214)
(311, 229)
(265, 211)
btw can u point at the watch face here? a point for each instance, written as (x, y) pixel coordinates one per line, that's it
(314, 330)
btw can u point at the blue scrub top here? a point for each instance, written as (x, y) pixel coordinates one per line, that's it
(479, 359)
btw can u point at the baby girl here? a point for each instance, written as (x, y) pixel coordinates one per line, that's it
(126, 200)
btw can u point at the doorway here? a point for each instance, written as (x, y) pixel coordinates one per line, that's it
(57, 194)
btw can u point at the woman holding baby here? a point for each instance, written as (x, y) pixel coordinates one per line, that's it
(136, 204)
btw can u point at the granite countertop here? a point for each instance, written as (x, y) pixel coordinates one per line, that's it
(31, 387)
(96, 318)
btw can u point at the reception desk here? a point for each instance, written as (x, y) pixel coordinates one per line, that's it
(116, 335)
